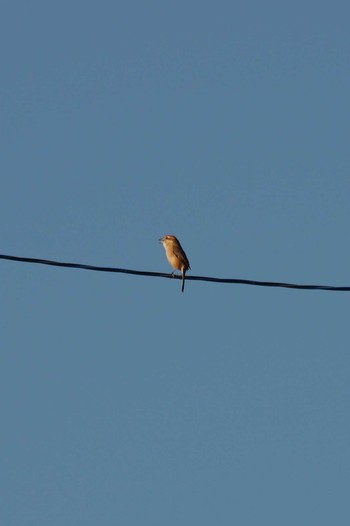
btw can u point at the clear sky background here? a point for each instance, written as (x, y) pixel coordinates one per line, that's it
(123, 401)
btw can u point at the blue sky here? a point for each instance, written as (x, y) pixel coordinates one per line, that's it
(124, 401)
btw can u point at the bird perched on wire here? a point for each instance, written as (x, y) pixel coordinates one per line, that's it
(176, 256)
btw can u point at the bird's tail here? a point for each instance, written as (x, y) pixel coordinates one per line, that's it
(183, 280)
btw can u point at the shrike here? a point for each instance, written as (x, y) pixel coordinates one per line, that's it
(176, 256)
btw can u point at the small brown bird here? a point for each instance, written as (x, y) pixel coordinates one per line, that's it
(176, 256)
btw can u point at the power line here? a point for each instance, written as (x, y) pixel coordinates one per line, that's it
(163, 275)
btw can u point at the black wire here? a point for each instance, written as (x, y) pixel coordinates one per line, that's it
(162, 275)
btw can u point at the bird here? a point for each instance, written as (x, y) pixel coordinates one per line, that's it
(175, 255)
